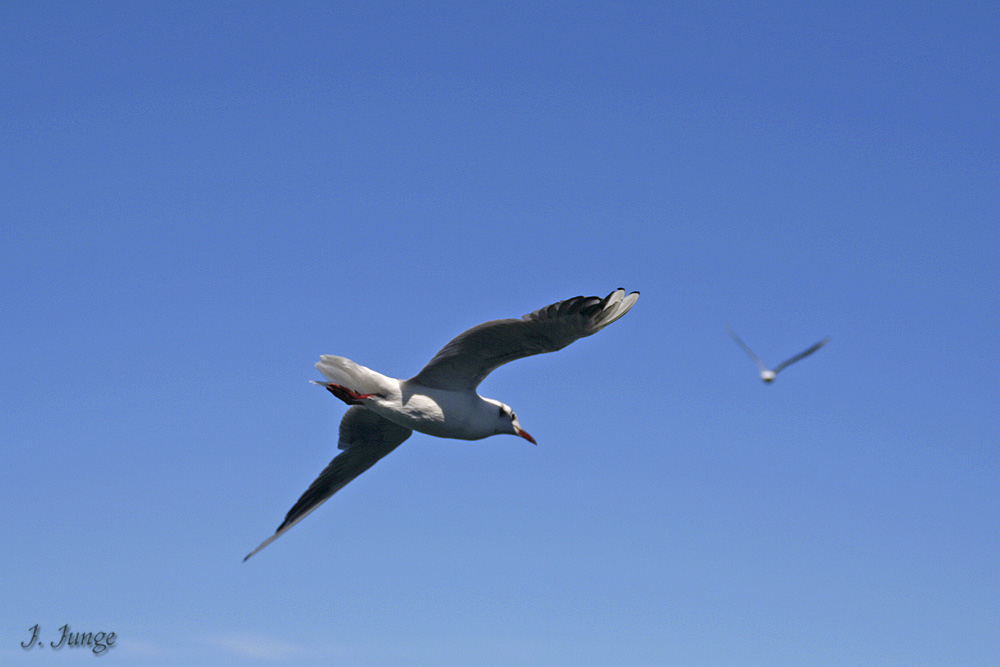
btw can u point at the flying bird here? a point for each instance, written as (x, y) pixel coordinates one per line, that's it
(441, 399)
(766, 374)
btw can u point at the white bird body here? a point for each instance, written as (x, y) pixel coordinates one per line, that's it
(443, 413)
(441, 400)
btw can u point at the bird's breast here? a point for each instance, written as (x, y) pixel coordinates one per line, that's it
(438, 413)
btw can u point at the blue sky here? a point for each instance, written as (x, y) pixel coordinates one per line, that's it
(202, 198)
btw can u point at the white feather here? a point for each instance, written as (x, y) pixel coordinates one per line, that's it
(351, 375)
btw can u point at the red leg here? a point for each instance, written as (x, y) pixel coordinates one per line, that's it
(347, 395)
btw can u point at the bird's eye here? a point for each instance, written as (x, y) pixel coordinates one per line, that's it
(512, 415)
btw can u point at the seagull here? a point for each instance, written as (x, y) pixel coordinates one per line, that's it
(441, 399)
(766, 374)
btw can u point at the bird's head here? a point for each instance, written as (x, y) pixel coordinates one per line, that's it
(507, 422)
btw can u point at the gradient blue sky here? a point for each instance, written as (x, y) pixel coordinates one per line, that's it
(202, 198)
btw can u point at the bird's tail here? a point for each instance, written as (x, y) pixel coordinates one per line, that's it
(351, 375)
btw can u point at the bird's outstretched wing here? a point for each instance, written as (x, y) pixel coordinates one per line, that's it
(801, 355)
(365, 438)
(472, 355)
(746, 348)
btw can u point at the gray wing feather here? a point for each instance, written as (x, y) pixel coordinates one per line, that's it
(472, 355)
(746, 348)
(364, 438)
(801, 355)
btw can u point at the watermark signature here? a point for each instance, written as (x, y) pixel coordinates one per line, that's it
(98, 642)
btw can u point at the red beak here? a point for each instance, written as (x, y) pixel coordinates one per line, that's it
(527, 436)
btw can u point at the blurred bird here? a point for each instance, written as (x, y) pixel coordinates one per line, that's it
(766, 374)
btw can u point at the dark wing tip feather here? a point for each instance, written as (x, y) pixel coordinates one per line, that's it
(586, 306)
